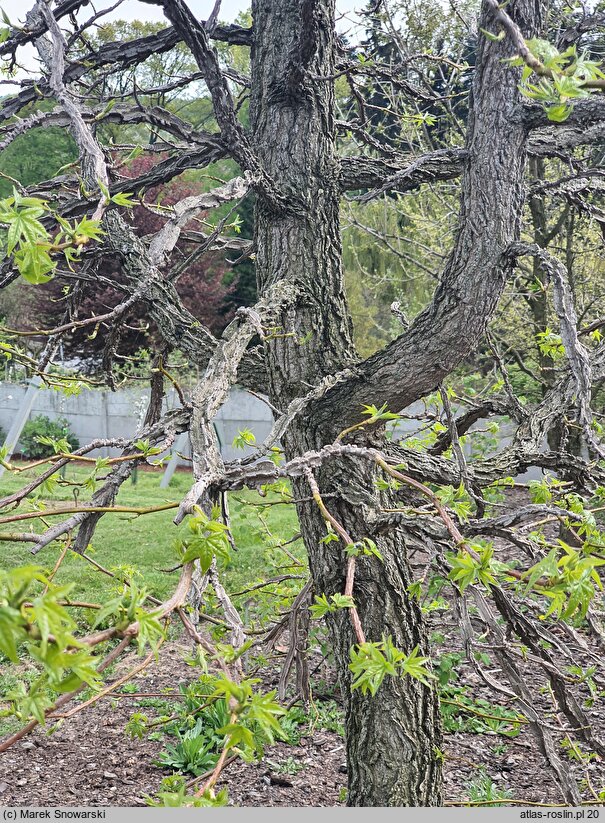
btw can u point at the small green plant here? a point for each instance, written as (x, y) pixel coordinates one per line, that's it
(244, 438)
(293, 725)
(197, 721)
(328, 715)
(460, 714)
(289, 766)
(129, 688)
(372, 662)
(555, 79)
(216, 715)
(457, 500)
(551, 344)
(574, 752)
(208, 540)
(322, 714)
(43, 437)
(193, 753)
(322, 605)
(445, 667)
(479, 567)
(173, 794)
(136, 726)
(482, 789)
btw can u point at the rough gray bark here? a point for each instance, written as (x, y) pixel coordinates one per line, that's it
(492, 191)
(391, 739)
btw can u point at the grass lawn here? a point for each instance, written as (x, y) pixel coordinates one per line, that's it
(142, 543)
(145, 542)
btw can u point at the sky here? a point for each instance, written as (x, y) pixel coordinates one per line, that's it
(132, 10)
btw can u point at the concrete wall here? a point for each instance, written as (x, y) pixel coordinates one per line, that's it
(93, 414)
(99, 414)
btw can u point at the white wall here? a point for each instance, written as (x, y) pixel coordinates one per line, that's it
(99, 414)
(93, 414)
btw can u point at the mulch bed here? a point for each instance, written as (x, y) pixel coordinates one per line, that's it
(89, 760)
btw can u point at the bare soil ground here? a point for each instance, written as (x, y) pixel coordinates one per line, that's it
(89, 760)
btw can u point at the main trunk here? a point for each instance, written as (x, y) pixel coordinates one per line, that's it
(393, 738)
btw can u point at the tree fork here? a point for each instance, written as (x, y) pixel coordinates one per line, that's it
(473, 280)
(393, 743)
(392, 739)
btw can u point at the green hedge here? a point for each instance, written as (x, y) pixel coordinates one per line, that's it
(42, 426)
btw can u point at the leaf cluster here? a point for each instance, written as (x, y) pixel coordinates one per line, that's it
(371, 662)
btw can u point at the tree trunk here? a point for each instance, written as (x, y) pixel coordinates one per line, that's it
(391, 738)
